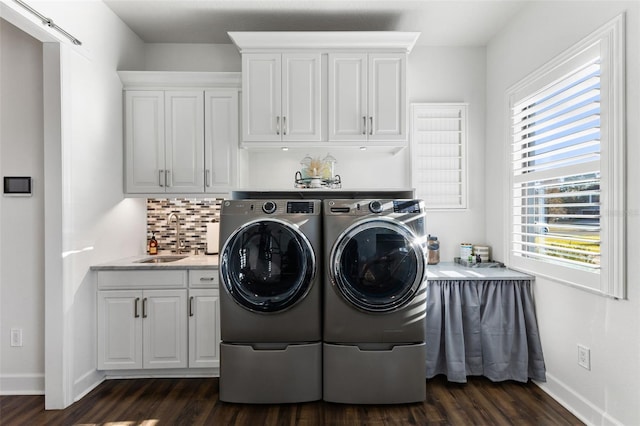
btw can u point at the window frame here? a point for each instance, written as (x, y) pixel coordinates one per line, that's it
(611, 279)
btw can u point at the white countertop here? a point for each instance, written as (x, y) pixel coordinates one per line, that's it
(454, 271)
(133, 263)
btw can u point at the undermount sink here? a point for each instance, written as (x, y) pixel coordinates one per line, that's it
(161, 259)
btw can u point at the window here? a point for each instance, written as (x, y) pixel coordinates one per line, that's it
(438, 152)
(567, 166)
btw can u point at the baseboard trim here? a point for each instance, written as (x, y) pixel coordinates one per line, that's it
(162, 373)
(86, 383)
(580, 407)
(22, 384)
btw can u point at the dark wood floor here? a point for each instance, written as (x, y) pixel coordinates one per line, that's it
(195, 402)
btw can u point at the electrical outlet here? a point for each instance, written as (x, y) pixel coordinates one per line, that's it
(16, 337)
(584, 357)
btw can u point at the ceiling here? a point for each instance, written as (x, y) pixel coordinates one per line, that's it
(441, 22)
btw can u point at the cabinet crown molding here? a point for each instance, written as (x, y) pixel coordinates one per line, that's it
(163, 80)
(396, 41)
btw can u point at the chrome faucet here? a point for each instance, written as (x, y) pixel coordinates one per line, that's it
(179, 242)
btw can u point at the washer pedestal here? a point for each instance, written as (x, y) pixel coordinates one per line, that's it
(357, 375)
(270, 374)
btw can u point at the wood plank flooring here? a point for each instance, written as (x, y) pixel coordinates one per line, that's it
(195, 402)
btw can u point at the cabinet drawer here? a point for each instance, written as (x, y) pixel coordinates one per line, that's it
(208, 278)
(142, 279)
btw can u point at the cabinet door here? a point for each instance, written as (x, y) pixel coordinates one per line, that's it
(184, 141)
(165, 329)
(204, 328)
(221, 139)
(144, 141)
(387, 97)
(347, 97)
(119, 329)
(261, 101)
(301, 97)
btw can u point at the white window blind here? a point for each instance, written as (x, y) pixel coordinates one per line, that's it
(438, 151)
(567, 166)
(556, 168)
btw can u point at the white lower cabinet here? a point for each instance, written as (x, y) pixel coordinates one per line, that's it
(142, 329)
(149, 319)
(204, 330)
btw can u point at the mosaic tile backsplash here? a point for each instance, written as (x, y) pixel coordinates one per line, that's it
(193, 214)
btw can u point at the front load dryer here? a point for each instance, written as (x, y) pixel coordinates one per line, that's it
(374, 301)
(270, 304)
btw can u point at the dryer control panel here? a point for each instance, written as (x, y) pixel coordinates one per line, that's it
(341, 207)
(406, 206)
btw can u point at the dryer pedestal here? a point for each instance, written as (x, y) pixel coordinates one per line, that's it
(271, 374)
(361, 375)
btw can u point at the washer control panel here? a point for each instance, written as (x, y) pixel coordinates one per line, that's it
(300, 207)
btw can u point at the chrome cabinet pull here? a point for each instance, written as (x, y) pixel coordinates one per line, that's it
(284, 126)
(160, 178)
(167, 178)
(364, 125)
(136, 314)
(207, 279)
(144, 307)
(277, 125)
(370, 125)
(191, 306)
(207, 176)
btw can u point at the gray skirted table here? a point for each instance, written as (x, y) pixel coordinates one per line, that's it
(482, 322)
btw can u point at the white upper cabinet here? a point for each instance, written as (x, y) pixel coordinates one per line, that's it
(220, 139)
(348, 96)
(319, 88)
(261, 97)
(387, 97)
(367, 97)
(144, 146)
(282, 97)
(184, 141)
(180, 141)
(301, 97)
(164, 141)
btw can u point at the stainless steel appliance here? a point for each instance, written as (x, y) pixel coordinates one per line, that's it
(270, 306)
(374, 301)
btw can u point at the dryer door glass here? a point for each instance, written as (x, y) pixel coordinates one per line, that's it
(267, 266)
(377, 265)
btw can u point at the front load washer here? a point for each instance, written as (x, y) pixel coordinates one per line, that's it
(270, 304)
(374, 301)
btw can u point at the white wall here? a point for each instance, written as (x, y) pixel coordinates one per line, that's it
(609, 393)
(192, 57)
(21, 218)
(94, 222)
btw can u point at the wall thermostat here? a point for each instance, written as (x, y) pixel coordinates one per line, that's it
(17, 186)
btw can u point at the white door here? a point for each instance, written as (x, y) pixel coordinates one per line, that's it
(164, 328)
(261, 97)
(144, 141)
(204, 328)
(184, 141)
(348, 115)
(387, 97)
(220, 139)
(301, 97)
(119, 329)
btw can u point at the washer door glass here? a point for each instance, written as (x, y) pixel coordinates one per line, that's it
(377, 265)
(267, 265)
